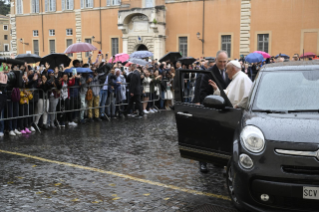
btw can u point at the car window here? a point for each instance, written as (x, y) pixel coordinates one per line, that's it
(284, 90)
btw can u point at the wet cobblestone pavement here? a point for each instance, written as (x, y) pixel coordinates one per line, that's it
(154, 176)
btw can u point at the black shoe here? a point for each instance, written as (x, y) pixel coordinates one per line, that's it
(90, 120)
(203, 167)
(103, 118)
(83, 121)
(45, 127)
(97, 119)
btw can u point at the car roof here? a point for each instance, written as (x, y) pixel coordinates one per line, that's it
(292, 66)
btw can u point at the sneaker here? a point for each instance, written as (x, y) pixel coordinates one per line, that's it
(53, 126)
(23, 132)
(97, 119)
(73, 124)
(27, 130)
(145, 111)
(90, 120)
(155, 111)
(32, 129)
(12, 133)
(151, 111)
(62, 124)
(17, 132)
(1, 134)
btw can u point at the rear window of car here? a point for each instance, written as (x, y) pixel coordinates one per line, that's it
(288, 90)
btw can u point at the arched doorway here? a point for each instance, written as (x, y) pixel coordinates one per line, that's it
(142, 47)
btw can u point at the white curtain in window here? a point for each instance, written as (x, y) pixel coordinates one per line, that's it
(19, 6)
(52, 5)
(148, 3)
(46, 5)
(35, 6)
(63, 4)
(67, 4)
(108, 2)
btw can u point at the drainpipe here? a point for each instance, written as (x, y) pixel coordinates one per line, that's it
(100, 27)
(203, 30)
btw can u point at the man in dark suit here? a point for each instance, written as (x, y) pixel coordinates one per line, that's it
(135, 93)
(219, 70)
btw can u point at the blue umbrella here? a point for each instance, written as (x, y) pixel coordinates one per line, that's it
(141, 54)
(254, 58)
(79, 70)
(140, 62)
(282, 55)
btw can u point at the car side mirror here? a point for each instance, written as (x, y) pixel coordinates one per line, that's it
(214, 101)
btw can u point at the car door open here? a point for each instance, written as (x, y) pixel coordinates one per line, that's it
(205, 133)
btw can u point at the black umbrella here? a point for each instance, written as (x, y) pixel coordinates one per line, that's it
(171, 56)
(105, 68)
(55, 60)
(11, 61)
(210, 58)
(29, 58)
(187, 60)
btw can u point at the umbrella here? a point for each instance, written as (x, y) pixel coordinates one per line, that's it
(80, 47)
(264, 54)
(282, 55)
(171, 56)
(139, 62)
(29, 58)
(105, 68)
(55, 60)
(187, 60)
(11, 61)
(141, 54)
(122, 57)
(308, 54)
(79, 70)
(210, 58)
(254, 58)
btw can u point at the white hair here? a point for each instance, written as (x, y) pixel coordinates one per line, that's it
(232, 65)
(221, 51)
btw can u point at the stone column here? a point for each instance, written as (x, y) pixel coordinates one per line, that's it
(245, 14)
(159, 47)
(125, 45)
(78, 29)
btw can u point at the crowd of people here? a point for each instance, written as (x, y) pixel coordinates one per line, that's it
(48, 97)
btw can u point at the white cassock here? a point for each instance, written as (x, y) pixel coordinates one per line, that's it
(238, 90)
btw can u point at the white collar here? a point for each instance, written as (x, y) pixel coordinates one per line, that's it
(235, 75)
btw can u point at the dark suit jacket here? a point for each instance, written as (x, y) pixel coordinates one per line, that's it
(197, 88)
(135, 83)
(205, 88)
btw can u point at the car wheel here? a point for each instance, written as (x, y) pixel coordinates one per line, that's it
(231, 188)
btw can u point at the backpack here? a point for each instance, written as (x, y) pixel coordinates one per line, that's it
(15, 95)
(89, 95)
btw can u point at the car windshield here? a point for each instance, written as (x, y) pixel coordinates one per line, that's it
(288, 91)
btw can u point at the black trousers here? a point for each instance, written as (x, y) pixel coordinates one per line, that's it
(138, 104)
(65, 116)
(23, 111)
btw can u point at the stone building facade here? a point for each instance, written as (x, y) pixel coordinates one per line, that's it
(192, 27)
(5, 36)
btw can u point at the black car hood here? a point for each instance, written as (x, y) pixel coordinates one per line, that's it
(302, 128)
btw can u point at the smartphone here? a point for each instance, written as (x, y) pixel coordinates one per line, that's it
(73, 72)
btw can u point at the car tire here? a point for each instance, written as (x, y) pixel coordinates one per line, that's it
(230, 187)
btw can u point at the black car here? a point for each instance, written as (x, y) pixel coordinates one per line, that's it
(270, 148)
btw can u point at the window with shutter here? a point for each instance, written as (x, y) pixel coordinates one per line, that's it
(115, 46)
(64, 3)
(69, 43)
(19, 6)
(52, 46)
(82, 4)
(148, 3)
(87, 41)
(183, 45)
(108, 2)
(226, 44)
(46, 2)
(36, 47)
(35, 6)
(263, 42)
(71, 4)
(32, 6)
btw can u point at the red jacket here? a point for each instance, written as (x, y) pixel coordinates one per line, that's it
(70, 83)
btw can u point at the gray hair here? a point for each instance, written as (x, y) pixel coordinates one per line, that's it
(221, 51)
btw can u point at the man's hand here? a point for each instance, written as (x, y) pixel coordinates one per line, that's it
(132, 94)
(213, 84)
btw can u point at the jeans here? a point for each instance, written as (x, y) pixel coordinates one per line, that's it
(12, 111)
(111, 101)
(83, 105)
(42, 107)
(103, 98)
(53, 104)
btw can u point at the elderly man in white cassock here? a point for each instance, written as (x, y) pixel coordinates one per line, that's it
(238, 89)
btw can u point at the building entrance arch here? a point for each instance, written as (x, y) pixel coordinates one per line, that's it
(141, 47)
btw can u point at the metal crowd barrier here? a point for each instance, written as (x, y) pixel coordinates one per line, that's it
(74, 101)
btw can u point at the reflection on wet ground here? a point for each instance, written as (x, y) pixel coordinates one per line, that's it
(142, 148)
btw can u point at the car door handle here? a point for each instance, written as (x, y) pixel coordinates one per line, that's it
(185, 114)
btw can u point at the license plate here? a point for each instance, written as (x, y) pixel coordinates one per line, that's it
(311, 192)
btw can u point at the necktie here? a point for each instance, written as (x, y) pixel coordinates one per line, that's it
(223, 75)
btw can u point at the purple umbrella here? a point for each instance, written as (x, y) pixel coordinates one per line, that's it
(80, 47)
